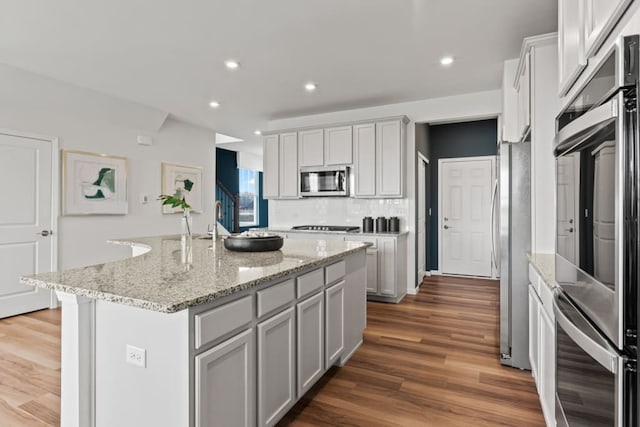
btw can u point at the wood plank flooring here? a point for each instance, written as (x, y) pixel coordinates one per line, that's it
(30, 369)
(431, 360)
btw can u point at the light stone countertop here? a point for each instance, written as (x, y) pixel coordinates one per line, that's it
(342, 233)
(158, 280)
(545, 265)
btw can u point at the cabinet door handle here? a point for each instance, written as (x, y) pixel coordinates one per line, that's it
(570, 230)
(446, 227)
(45, 233)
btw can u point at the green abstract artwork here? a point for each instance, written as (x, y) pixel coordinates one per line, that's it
(104, 187)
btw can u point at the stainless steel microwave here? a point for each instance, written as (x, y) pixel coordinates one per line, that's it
(329, 181)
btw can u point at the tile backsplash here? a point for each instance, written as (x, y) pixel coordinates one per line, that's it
(334, 211)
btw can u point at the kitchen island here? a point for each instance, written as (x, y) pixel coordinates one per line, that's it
(196, 335)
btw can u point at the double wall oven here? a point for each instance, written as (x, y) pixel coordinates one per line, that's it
(597, 246)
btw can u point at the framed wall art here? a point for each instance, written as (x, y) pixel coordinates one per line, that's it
(182, 181)
(93, 184)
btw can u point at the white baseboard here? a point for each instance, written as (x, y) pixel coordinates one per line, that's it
(413, 291)
(435, 273)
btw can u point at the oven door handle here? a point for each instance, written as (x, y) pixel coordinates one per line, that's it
(606, 357)
(587, 125)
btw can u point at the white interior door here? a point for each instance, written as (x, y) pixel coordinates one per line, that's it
(422, 207)
(26, 171)
(465, 215)
(567, 228)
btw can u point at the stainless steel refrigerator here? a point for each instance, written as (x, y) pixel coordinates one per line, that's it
(515, 244)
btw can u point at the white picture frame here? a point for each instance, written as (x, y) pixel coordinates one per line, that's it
(172, 177)
(94, 184)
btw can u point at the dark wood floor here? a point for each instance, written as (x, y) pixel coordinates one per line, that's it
(431, 360)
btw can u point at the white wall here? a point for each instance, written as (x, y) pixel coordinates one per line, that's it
(90, 121)
(450, 109)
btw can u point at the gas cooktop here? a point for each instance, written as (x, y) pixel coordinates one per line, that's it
(343, 228)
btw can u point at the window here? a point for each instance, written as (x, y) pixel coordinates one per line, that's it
(248, 197)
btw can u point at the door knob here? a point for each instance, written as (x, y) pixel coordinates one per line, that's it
(446, 227)
(45, 233)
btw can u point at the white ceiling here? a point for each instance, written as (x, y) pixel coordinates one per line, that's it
(169, 54)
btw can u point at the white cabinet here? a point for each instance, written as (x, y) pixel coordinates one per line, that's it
(334, 323)
(311, 147)
(338, 146)
(523, 88)
(570, 43)
(280, 163)
(547, 366)
(364, 141)
(386, 268)
(372, 270)
(387, 281)
(289, 165)
(534, 316)
(390, 158)
(225, 383)
(271, 166)
(600, 16)
(276, 367)
(542, 344)
(310, 322)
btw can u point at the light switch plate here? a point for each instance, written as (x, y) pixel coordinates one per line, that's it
(137, 356)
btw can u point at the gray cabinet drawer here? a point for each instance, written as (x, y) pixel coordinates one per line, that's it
(310, 282)
(335, 272)
(212, 324)
(275, 297)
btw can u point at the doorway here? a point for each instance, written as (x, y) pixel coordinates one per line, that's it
(464, 193)
(28, 167)
(423, 215)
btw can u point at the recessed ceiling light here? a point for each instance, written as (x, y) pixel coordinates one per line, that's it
(214, 104)
(310, 87)
(257, 132)
(447, 60)
(231, 64)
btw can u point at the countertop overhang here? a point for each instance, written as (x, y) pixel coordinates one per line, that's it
(163, 279)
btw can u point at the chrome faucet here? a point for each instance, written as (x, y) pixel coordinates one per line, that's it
(217, 214)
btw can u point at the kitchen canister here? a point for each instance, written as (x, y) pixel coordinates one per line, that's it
(394, 224)
(381, 224)
(367, 224)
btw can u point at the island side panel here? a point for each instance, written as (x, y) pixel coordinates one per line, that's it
(156, 394)
(77, 397)
(355, 300)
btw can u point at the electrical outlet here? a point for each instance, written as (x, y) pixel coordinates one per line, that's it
(137, 356)
(144, 198)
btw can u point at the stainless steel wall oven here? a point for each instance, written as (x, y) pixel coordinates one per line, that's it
(597, 246)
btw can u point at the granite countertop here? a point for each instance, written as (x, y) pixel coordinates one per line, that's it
(342, 233)
(159, 280)
(545, 265)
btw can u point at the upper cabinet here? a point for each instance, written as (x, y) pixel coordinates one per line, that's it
(280, 164)
(364, 173)
(380, 151)
(570, 43)
(523, 87)
(583, 27)
(338, 146)
(311, 147)
(600, 16)
(390, 158)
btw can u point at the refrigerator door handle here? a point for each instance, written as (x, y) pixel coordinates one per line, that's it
(494, 261)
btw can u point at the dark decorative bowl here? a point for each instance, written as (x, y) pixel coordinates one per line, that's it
(240, 243)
